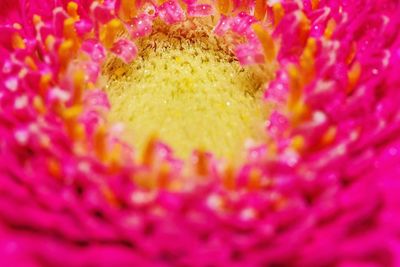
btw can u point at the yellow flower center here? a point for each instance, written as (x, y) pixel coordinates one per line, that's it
(187, 88)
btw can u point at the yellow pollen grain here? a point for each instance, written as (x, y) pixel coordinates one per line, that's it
(187, 88)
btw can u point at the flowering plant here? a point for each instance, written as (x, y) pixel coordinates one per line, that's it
(321, 190)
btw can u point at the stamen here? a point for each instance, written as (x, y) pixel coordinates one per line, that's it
(127, 9)
(260, 9)
(329, 136)
(18, 42)
(99, 142)
(110, 31)
(266, 41)
(72, 9)
(79, 79)
(353, 76)
(330, 28)
(254, 179)
(279, 12)
(65, 52)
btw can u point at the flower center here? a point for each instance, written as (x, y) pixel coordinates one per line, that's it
(187, 88)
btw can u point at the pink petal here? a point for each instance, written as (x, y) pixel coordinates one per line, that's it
(199, 10)
(142, 26)
(125, 50)
(223, 25)
(171, 12)
(249, 53)
(94, 49)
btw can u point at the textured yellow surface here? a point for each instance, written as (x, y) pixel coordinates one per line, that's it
(187, 88)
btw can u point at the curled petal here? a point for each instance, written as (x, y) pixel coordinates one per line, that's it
(223, 26)
(249, 53)
(199, 10)
(102, 13)
(125, 50)
(93, 48)
(242, 24)
(92, 71)
(171, 12)
(141, 26)
(97, 99)
(83, 26)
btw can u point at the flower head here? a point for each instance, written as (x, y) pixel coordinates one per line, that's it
(319, 188)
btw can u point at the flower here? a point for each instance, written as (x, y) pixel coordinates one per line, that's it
(322, 189)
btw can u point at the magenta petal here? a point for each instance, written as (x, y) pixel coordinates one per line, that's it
(97, 98)
(249, 53)
(224, 25)
(199, 10)
(125, 50)
(171, 12)
(93, 48)
(241, 24)
(102, 12)
(92, 71)
(83, 26)
(141, 26)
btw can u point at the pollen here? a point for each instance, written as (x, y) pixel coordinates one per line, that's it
(187, 88)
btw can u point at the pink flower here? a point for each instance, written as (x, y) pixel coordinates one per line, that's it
(322, 191)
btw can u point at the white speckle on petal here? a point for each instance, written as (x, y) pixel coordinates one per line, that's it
(58, 94)
(21, 136)
(214, 201)
(247, 214)
(12, 84)
(21, 102)
(142, 197)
